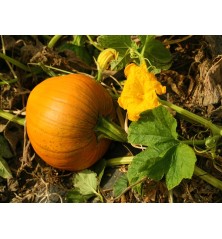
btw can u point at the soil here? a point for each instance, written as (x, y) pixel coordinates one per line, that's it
(194, 82)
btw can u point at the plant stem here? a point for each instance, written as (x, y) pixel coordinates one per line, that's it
(13, 118)
(53, 41)
(176, 41)
(10, 67)
(130, 187)
(77, 40)
(14, 62)
(170, 196)
(144, 47)
(111, 130)
(119, 161)
(8, 82)
(215, 129)
(194, 142)
(208, 178)
(93, 43)
(99, 76)
(99, 196)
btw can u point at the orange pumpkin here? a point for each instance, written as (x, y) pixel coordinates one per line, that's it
(61, 116)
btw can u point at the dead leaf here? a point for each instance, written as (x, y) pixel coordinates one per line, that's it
(209, 89)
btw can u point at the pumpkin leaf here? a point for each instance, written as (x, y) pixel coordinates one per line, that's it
(145, 39)
(165, 155)
(120, 185)
(79, 40)
(158, 55)
(120, 62)
(5, 150)
(182, 165)
(121, 43)
(154, 127)
(74, 196)
(85, 187)
(86, 182)
(80, 52)
(5, 171)
(99, 168)
(147, 163)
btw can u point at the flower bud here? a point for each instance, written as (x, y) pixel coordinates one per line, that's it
(105, 57)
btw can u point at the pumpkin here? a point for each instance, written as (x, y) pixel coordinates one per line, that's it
(61, 116)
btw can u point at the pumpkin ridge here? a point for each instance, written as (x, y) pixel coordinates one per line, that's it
(61, 115)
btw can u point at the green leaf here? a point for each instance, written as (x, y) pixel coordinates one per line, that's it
(121, 43)
(176, 163)
(80, 52)
(158, 55)
(155, 127)
(183, 161)
(5, 171)
(120, 185)
(121, 62)
(5, 150)
(86, 182)
(145, 39)
(79, 40)
(165, 155)
(74, 196)
(99, 168)
(149, 163)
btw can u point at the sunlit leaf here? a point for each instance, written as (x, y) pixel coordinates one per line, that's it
(154, 127)
(182, 165)
(86, 182)
(165, 154)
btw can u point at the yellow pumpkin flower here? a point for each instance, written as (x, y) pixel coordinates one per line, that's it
(105, 57)
(140, 91)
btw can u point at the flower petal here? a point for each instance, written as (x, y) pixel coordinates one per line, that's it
(140, 91)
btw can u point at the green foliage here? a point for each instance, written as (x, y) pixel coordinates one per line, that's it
(120, 185)
(86, 182)
(157, 54)
(80, 52)
(144, 39)
(5, 153)
(165, 154)
(154, 127)
(120, 43)
(86, 185)
(74, 196)
(5, 171)
(182, 165)
(99, 168)
(148, 47)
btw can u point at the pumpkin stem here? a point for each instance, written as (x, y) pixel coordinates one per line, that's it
(111, 130)
(216, 130)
